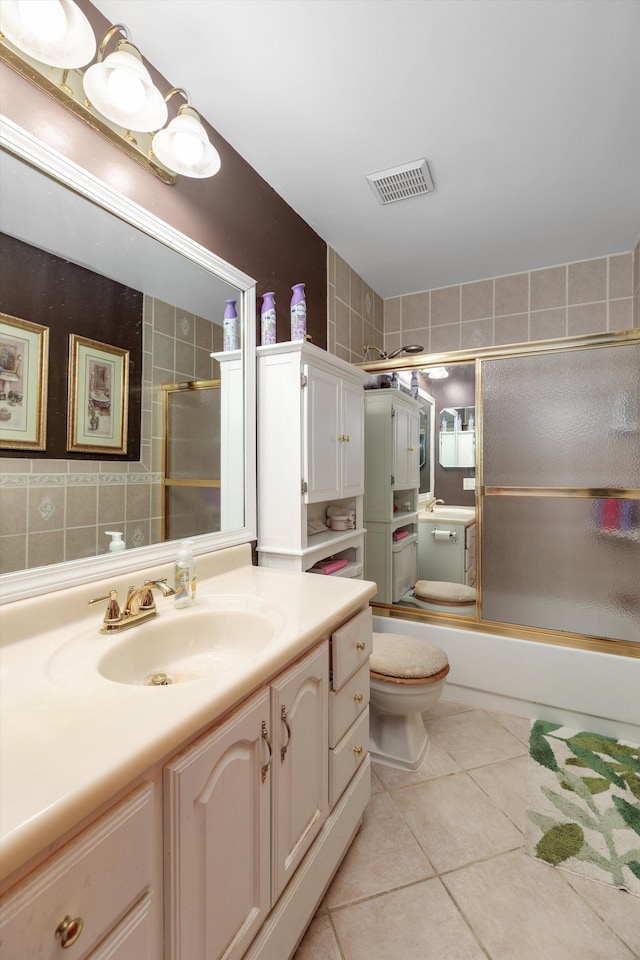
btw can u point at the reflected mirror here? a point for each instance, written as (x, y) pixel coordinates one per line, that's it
(71, 259)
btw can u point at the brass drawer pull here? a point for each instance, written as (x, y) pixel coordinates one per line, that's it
(360, 645)
(358, 697)
(283, 750)
(357, 751)
(68, 931)
(265, 737)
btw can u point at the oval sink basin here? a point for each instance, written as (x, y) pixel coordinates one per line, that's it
(217, 634)
(443, 512)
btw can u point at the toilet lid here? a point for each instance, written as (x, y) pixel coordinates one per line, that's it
(441, 591)
(397, 655)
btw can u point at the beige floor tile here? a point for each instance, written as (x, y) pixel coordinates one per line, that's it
(519, 908)
(376, 785)
(474, 739)
(319, 942)
(417, 923)
(619, 909)
(520, 727)
(506, 783)
(438, 763)
(455, 822)
(445, 708)
(384, 855)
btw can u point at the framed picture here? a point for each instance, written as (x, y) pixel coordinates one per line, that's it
(24, 365)
(98, 397)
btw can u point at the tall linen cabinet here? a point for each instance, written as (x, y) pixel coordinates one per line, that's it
(310, 458)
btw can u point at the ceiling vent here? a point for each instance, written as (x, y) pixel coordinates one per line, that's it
(400, 183)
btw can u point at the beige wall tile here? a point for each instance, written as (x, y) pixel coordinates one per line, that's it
(477, 300)
(548, 288)
(163, 352)
(82, 542)
(204, 333)
(445, 338)
(357, 338)
(137, 501)
(511, 294)
(47, 466)
(13, 511)
(621, 314)
(367, 303)
(588, 281)
(82, 505)
(621, 275)
(111, 503)
(548, 324)
(476, 333)
(445, 305)
(13, 553)
(378, 312)
(586, 318)
(16, 465)
(513, 329)
(164, 319)
(46, 509)
(137, 533)
(392, 341)
(46, 547)
(636, 268)
(342, 279)
(415, 311)
(342, 323)
(185, 326)
(185, 360)
(392, 314)
(355, 293)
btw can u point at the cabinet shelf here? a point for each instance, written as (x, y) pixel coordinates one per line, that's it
(350, 571)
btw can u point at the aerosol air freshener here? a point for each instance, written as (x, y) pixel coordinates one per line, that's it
(268, 319)
(298, 313)
(230, 327)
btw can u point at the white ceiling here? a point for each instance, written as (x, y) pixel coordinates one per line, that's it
(528, 112)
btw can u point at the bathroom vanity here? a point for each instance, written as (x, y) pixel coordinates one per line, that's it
(200, 819)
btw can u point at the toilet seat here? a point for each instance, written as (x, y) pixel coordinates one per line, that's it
(444, 592)
(398, 658)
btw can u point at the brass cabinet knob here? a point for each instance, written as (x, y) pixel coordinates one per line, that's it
(357, 751)
(358, 697)
(344, 438)
(68, 931)
(360, 645)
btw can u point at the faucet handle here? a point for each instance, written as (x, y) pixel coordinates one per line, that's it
(112, 613)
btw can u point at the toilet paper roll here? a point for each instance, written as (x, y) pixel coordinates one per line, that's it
(447, 535)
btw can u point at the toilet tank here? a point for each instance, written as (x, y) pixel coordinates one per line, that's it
(405, 567)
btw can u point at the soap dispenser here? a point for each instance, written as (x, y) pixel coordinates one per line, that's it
(117, 543)
(185, 575)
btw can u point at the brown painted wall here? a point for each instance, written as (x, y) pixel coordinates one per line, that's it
(235, 214)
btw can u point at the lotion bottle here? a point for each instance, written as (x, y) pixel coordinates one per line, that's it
(185, 576)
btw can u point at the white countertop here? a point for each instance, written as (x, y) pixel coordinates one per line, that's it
(69, 746)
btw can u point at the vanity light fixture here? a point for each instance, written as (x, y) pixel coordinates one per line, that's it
(438, 373)
(121, 87)
(49, 41)
(51, 31)
(183, 145)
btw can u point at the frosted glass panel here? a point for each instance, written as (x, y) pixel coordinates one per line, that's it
(565, 419)
(193, 442)
(190, 510)
(562, 564)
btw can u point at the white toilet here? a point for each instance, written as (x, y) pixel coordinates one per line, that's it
(440, 596)
(407, 677)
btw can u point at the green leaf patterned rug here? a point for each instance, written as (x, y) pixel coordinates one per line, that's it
(583, 804)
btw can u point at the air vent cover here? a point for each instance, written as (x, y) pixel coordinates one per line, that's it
(400, 183)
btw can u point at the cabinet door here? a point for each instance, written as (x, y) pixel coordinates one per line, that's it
(353, 444)
(217, 832)
(406, 447)
(323, 449)
(299, 701)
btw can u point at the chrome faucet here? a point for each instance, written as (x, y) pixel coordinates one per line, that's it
(139, 607)
(430, 504)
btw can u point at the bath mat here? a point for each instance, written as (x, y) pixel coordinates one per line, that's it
(583, 804)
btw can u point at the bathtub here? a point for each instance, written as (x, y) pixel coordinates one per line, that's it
(582, 689)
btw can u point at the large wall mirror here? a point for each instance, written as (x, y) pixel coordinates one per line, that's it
(60, 500)
(529, 501)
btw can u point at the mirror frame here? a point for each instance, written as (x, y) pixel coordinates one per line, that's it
(38, 580)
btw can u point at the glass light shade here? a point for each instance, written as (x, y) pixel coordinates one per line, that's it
(175, 144)
(438, 373)
(74, 48)
(101, 85)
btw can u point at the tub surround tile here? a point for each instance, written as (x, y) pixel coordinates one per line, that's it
(475, 334)
(548, 288)
(621, 314)
(548, 324)
(477, 300)
(586, 318)
(445, 305)
(511, 294)
(587, 281)
(512, 329)
(445, 338)
(621, 275)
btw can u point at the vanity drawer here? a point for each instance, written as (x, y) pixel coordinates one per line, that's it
(346, 704)
(351, 647)
(97, 877)
(345, 759)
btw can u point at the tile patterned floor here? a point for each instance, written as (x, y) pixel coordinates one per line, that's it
(438, 871)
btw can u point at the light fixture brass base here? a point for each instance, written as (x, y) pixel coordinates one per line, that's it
(65, 87)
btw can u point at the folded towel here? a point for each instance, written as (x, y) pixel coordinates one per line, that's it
(342, 512)
(400, 534)
(329, 566)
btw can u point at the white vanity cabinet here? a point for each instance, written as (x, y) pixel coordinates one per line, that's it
(100, 895)
(447, 550)
(392, 483)
(310, 457)
(243, 805)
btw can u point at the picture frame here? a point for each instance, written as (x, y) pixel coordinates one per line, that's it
(97, 397)
(24, 368)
